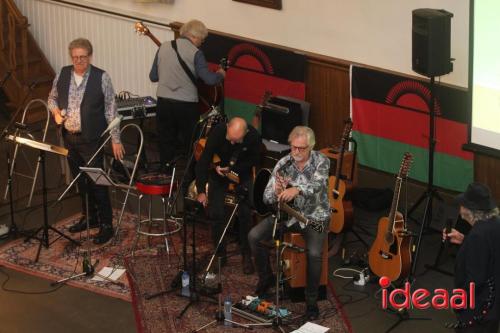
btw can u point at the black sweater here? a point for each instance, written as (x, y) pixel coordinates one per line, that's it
(247, 154)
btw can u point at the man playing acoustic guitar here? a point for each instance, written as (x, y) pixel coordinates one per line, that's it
(301, 177)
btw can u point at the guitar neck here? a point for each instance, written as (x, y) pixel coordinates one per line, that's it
(154, 39)
(394, 205)
(292, 212)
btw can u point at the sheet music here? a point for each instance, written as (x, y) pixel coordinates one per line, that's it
(311, 328)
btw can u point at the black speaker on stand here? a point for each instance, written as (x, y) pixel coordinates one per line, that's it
(431, 39)
(431, 34)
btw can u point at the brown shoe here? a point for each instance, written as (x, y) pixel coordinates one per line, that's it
(248, 268)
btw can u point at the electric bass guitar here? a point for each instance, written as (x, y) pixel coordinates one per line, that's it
(390, 252)
(337, 187)
(209, 96)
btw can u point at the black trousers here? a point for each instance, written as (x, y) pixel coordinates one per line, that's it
(79, 153)
(174, 119)
(217, 188)
(485, 327)
(314, 245)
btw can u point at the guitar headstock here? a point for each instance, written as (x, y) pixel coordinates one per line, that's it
(346, 133)
(405, 165)
(141, 29)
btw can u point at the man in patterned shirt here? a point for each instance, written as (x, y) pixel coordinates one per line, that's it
(301, 177)
(82, 101)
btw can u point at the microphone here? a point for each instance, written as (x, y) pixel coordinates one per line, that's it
(294, 247)
(5, 78)
(114, 123)
(448, 226)
(207, 115)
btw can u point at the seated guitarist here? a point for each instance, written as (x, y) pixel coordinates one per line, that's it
(238, 147)
(301, 177)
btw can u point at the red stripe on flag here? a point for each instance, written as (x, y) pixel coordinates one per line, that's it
(250, 86)
(394, 123)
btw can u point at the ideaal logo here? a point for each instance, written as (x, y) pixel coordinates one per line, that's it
(423, 299)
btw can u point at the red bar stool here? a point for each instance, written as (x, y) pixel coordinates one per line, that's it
(156, 185)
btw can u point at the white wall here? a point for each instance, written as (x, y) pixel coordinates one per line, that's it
(117, 49)
(373, 32)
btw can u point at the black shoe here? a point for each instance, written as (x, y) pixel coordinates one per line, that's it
(312, 312)
(82, 225)
(248, 268)
(264, 284)
(104, 235)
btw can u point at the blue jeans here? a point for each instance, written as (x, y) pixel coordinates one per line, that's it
(314, 248)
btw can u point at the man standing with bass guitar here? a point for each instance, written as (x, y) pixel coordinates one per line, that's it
(237, 145)
(301, 178)
(176, 67)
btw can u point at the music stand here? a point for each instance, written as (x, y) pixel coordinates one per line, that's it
(99, 177)
(44, 229)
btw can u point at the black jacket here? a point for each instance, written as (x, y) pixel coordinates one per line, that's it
(478, 260)
(245, 154)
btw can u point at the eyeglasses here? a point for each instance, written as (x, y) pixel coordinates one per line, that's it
(299, 149)
(80, 58)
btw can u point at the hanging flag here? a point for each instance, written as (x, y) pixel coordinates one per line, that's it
(391, 116)
(253, 69)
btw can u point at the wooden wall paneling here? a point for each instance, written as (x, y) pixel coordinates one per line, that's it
(487, 171)
(327, 89)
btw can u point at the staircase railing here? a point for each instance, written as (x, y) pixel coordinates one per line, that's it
(17, 36)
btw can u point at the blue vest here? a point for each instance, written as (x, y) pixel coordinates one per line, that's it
(92, 109)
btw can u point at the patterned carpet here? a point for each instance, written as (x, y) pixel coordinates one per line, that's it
(63, 259)
(150, 274)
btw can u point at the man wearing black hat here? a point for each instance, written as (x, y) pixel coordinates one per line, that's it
(478, 259)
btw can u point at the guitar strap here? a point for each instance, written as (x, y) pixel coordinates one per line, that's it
(183, 64)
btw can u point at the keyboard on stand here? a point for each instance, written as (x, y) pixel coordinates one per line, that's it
(137, 107)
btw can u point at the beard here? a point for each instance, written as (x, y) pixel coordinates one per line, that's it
(298, 158)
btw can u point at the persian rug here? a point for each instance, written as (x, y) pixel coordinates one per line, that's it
(63, 259)
(150, 274)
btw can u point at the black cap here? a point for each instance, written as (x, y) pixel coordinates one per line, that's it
(477, 196)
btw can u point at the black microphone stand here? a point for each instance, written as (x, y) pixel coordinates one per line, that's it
(176, 281)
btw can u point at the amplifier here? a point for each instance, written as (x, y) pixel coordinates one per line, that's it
(137, 107)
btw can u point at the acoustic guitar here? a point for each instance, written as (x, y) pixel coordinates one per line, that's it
(337, 187)
(263, 209)
(390, 253)
(209, 96)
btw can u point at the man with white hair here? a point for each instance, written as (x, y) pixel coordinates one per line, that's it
(176, 67)
(302, 178)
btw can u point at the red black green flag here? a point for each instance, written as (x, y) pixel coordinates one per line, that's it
(391, 116)
(253, 70)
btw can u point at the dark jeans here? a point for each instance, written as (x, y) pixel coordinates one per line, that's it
(217, 188)
(485, 327)
(79, 153)
(314, 245)
(174, 119)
